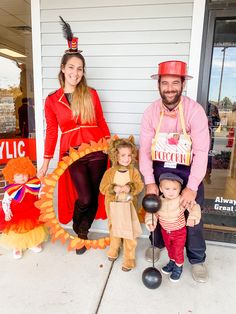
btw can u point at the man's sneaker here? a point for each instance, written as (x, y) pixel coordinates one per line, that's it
(176, 273)
(199, 272)
(168, 268)
(149, 254)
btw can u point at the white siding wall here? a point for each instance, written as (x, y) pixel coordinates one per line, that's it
(122, 42)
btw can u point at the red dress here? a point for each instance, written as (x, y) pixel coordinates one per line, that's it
(24, 230)
(25, 215)
(58, 114)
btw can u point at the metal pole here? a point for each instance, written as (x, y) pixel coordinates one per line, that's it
(221, 74)
(153, 243)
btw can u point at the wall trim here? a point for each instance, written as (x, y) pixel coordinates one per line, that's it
(195, 47)
(37, 71)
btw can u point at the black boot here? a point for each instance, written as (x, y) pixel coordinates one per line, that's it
(78, 217)
(82, 235)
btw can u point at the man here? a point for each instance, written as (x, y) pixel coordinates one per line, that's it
(23, 118)
(175, 138)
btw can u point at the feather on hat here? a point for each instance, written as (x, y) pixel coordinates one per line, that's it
(69, 36)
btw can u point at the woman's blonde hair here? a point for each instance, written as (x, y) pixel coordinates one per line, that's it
(82, 103)
(116, 143)
(20, 165)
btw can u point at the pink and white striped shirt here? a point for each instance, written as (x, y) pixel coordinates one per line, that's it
(196, 124)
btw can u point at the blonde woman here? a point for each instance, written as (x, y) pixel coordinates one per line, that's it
(76, 109)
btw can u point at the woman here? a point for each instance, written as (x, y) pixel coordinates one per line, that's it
(77, 110)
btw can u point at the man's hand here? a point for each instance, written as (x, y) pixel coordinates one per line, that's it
(187, 199)
(152, 188)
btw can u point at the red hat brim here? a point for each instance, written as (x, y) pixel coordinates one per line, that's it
(156, 76)
(172, 67)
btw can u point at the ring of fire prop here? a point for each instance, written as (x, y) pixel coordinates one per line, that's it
(45, 204)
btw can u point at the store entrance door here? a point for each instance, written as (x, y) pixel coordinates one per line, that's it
(17, 117)
(218, 93)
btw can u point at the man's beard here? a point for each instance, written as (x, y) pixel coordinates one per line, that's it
(173, 102)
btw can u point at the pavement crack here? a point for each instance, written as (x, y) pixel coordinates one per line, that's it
(104, 288)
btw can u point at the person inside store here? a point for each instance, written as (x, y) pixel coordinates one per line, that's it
(213, 124)
(175, 113)
(23, 118)
(26, 117)
(31, 115)
(76, 109)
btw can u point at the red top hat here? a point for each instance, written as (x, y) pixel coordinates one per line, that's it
(71, 40)
(73, 46)
(172, 67)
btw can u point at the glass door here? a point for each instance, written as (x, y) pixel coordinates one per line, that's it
(218, 93)
(17, 119)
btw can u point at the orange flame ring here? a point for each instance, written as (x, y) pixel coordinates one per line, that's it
(45, 204)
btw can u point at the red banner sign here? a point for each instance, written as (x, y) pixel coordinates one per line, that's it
(13, 148)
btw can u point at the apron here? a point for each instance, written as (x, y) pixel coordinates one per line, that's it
(124, 219)
(172, 148)
(181, 165)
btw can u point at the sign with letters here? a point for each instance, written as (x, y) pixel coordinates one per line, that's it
(13, 148)
(172, 147)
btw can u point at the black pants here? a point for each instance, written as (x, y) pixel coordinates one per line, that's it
(86, 174)
(195, 242)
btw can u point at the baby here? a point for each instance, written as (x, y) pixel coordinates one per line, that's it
(173, 224)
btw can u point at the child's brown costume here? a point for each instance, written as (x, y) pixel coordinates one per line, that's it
(122, 217)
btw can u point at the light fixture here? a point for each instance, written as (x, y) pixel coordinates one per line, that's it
(11, 53)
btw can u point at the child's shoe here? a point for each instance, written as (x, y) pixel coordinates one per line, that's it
(168, 268)
(128, 265)
(36, 249)
(112, 259)
(176, 273)
(113, 254)
(17, 254)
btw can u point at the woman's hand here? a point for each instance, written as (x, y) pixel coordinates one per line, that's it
(43, 170)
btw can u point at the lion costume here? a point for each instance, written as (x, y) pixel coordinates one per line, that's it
(123, 220)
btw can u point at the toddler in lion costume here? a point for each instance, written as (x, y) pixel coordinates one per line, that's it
(121, 185)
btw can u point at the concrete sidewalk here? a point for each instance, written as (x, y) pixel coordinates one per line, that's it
(57, 281)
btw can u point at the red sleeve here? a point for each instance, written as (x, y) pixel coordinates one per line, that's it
(51, 128)
(99, 115)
